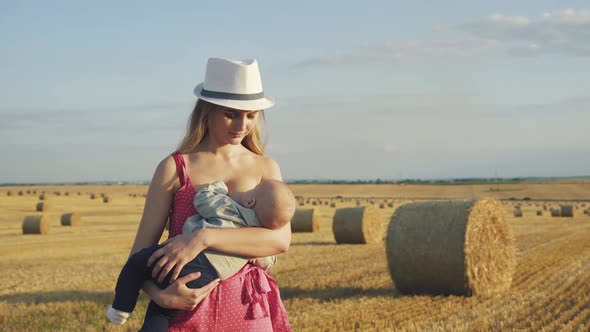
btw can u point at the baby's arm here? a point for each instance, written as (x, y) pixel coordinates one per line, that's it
(264, 262)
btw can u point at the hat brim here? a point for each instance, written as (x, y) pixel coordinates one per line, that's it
(245, 105)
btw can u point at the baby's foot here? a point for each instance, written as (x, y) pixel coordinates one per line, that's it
(116, 316)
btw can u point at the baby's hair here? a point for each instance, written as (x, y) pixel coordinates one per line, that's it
(280, 201)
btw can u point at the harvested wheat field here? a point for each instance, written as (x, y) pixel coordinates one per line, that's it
(63, 280)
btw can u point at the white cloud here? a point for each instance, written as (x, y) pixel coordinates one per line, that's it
(509, 20)
(388, 147)
(563, 32)
(408, 51)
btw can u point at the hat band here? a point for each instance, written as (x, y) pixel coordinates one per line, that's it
(232, 96)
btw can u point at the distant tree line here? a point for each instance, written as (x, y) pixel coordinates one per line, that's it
(434, 181)
(336, 181)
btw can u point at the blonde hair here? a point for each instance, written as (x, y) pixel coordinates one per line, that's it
(197, 129)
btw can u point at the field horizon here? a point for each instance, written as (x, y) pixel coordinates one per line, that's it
(432, 181)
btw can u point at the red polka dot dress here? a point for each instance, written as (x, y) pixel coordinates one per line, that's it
(247, 301)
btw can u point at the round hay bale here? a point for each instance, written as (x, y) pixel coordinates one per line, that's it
(555, 212)
(92, 196)
(67, 193)
(20, 193)
(43, 206)
(539, 212)
(42, 197)
(357, 225)
(36, 225)
(390, 204)
(567, 210)
(382, 206)
(70, 219)
(305, 220)
(332, 205)
(451, 247)
(518, 212)
(107, 199)
(314, 203)
(9, 193)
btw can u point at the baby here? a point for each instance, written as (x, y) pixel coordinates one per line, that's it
(270, 204)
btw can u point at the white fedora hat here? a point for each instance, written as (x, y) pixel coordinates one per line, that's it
(235, 84)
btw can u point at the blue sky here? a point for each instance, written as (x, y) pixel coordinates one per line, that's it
(380, 89)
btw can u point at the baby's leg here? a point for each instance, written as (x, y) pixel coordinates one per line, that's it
(158, 318)
(199, 264)
(132, 276)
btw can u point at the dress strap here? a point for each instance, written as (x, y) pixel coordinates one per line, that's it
(180, 168)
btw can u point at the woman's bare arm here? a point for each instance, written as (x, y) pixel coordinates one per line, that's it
(155, 214)
(157, 205)
(178, 295)
(247, 241)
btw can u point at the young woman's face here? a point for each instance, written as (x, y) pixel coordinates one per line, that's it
(230, 126)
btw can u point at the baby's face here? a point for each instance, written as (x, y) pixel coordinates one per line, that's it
(260, 204)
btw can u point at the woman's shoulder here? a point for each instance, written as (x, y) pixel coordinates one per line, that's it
(166, 173)
(167, 165)
(270, 168)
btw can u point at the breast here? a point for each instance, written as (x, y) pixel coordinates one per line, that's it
(238, 187)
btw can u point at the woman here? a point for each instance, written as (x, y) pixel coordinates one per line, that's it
(223, 142)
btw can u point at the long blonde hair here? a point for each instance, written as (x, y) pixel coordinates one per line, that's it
(197, 129)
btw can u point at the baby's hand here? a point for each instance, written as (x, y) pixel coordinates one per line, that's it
(264, 262)
(249, 202)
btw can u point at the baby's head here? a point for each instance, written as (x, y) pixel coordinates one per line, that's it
(272, 201)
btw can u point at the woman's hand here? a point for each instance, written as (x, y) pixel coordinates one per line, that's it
(178, 296)
(177, 251)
